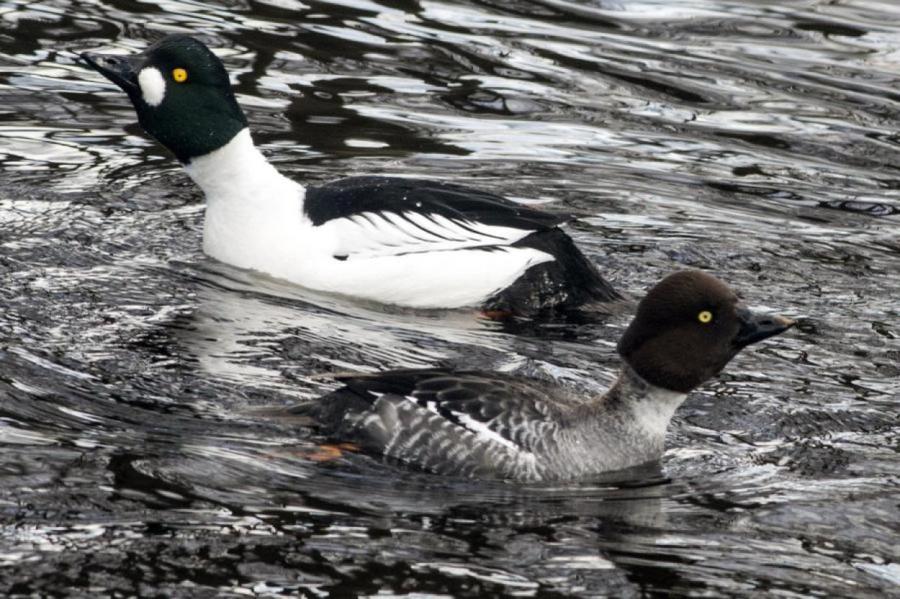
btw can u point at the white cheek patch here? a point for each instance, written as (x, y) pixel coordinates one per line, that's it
(153, 86)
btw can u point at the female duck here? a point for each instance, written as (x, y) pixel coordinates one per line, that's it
(487, 425)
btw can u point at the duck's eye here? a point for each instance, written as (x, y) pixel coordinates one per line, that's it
(179, 75)
(705, 317)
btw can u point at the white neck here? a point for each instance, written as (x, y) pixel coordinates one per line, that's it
(237, 169)
(251, 207)
(652, 407)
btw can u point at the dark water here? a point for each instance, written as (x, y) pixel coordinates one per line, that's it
(758, 140)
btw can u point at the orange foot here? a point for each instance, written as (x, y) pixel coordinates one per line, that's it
(328, 452)
(496, 314)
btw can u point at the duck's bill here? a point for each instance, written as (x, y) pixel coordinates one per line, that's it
(121, 70)
(756, 327)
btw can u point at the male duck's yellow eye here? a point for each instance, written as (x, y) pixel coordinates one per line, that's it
(179, 75)
(705, 317)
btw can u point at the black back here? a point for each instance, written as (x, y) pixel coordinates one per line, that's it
(354, 195)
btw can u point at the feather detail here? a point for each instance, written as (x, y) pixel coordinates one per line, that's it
(490, 425)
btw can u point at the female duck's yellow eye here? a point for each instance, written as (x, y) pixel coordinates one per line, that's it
(705, 317)
(179, 75)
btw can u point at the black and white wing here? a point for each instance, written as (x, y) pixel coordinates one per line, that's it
(387, 216)
(460, 423)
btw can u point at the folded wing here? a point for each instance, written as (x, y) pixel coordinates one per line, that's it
(427, 416)
(369, 217)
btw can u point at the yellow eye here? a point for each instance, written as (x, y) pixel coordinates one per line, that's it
(705, 317)
(179, 75)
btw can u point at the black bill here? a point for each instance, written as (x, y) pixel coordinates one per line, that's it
(121, 70)
(756, 327)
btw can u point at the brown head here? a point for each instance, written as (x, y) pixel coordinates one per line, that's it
(688, 327)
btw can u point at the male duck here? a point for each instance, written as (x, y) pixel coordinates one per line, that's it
(407, 242)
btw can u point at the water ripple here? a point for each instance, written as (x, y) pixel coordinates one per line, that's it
(137, 378)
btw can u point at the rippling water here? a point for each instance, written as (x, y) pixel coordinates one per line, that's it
(754, 139)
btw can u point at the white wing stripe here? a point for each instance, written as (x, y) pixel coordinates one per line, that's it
(374, 234)
(410, 228)
(430, 223)
(483, 432)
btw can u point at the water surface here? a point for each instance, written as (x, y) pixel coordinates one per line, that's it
(757, 140)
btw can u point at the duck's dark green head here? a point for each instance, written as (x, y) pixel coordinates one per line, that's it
(181, 93)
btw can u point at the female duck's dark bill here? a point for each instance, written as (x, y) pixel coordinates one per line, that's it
(756, 327)
(121, 70)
